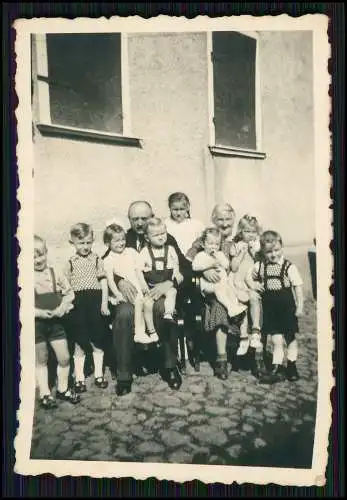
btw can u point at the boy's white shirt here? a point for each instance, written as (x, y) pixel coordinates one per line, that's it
(293, 273)
(185, 232)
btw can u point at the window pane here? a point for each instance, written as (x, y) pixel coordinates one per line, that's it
(84, 72)
(234, 89)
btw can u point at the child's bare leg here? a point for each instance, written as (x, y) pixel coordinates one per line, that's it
(278, 352)
(79, 358)
(148, 315)
(221, 369)
(226, 296)
(98, 358)
(292, 352)
(41, 354)
(255, 309)
(244, 339)
(140, 327)
(292, 355)
(170, 303)
(61, 350)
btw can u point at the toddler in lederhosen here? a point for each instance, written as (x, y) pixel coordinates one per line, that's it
(53, 300)
(281, 288)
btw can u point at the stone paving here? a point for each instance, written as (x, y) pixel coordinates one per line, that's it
(208, 421)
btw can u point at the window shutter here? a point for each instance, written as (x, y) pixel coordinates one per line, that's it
(234, 59)
(84, 76)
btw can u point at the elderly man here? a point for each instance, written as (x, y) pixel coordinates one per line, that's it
(123, 324)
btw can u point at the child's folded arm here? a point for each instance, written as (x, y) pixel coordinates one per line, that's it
(42, 313)
(297, 283)
(299, 299)
(177, 276)
(223, 260)
(250, 278)
(236, 256)
(104, 297)
(112, 285)
(194, 250)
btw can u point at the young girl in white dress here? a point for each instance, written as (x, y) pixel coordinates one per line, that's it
(244, 251)
(180, 224)
(123, 261)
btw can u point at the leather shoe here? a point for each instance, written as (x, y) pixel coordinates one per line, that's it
(221, 369)
(173, 378)
(123, 388)
(141, 371)
(276, 375)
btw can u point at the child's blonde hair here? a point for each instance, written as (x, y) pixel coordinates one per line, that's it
(246, 221)
(269, 239)
(80, 230)
(154, 222)
(40, 240)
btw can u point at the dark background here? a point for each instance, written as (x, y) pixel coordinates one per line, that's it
(47, 485)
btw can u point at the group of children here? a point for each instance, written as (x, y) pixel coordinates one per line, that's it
(254, 276)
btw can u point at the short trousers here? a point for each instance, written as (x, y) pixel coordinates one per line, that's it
(48, 331)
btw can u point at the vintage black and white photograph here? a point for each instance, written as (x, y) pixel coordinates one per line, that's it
(174, 193)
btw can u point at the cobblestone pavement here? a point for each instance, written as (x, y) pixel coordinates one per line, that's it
(208, 421)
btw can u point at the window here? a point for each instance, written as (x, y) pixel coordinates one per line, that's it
(234, 99)
(82, 84)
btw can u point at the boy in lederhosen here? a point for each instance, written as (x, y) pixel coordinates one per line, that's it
(53, 300)
(281, 289)
(157, 263)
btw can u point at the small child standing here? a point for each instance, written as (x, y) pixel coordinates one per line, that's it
(157, 263)
(53, 300)
(213, 258)
(180, 224)
(244, 251)
(123, 261)
(85, 272)
(281, 288)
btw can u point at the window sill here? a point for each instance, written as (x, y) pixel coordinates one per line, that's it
(236, 152)
(49, 129)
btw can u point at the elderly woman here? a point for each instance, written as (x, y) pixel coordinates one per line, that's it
(216, 319)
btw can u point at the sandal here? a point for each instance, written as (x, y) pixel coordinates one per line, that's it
(69, 395)
(101, 383)
(80, 387)
(48, 402)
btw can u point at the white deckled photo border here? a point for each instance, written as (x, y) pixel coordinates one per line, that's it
(323, 216)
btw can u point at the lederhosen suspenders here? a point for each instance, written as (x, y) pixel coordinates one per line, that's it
(49, 300)
(156, 276)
